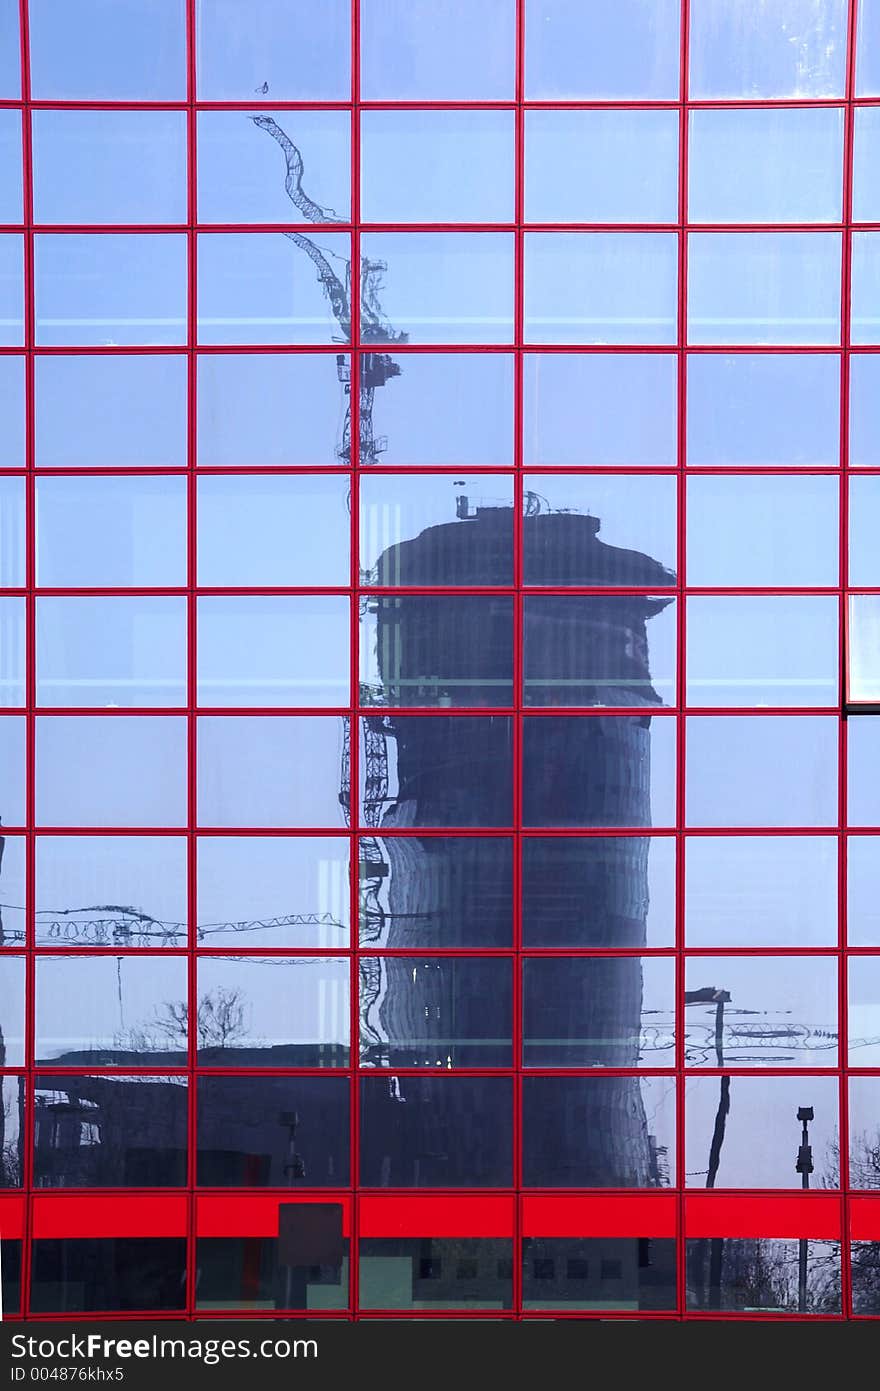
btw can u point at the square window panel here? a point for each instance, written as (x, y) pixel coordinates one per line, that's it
(111, 1011)
(863, 771)
(790, 48)
(436, 1131)
(779, 1012)
(111, 651)
(600, 287)
(11, 289)
(85, 163)
(12, 531)
(110, 770)
(273, 891)
(260, 530)
(287, 50)
(109, 1273)
(406, 420)
(761, 891)
(611, 649)
(599, 529)
(265, 650)
(598, 1011)
(112, 290)
(431, 529)
(110, 411)
(598, 1132)
(412, 168)
(597, 52)
(422, 50)
(238, 1150)
(272, 770)
(868, 49)
(273, 287)
(12, 652)
(438, 287)
(448, 770)
(273, 1011)
(12, 417)
(598, 891)
(863, 1012)
(763, 410)
(864, 648)
(771, 530)
(100, 1131)
(748, 650)
(765, 165)
(10, 50)
(442, 1011)
(863, 894)
(767, 1106)
(598, 771)
(91, 50)
(866, 287)
(620, 166)
(436, 891)
(79, 877)
(761, 770)
(764, 287)
(118, 530)
(271, 410)
(577, 410)
(436, 650)
(11, 207)
(290, 167)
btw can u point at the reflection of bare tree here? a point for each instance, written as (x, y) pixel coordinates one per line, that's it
(10, 1156)
(220, 1023)
(761, 1273)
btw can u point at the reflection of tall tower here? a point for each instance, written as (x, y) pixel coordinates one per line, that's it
(594, 651)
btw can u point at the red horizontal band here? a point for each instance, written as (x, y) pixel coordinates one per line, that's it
(11, 1217)
(651, 1215)
(465, 1216)
(254, 1215)
(864, 1218)
(55, 1216)
(748, 1215)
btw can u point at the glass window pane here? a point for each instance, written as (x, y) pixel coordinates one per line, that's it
(598, 770)
(436, 770)
(598, 1132)
(273, 891)
(436, 891)
(765, 1106)
(763, 409)
(623, 1273)
(598, 891)
(249, 166)
(412, 168)
(432, 1272)
(87, 50)
(864, 1135)
(863, 771)
(11, 290)
(604, 52)
(82, 1274)
(288, 50)
(271, 409)
(434, 650)
(12, 1152)
(865, 287)
(12, 652)
(790, 48)
(776, 1011)
(105, 770)
(274, 650)
(277, 1272)
(620, 166)
(84, 160)
(866, 158)
(764, 287)
(440, 287)
(12, 1009)
(577, 409)
(110, 1132)
(12, 416)
(422, 529)
(13, 859)
(762, 650)
(11, 207)
(444, 1011)
(436, 1132)
(761, 891)
(591, 650)
(864, 410)
(863, 1013)
(10, 50)
(271, 770)
(272, 287)
(790, 522)
(863, 893)
(599, 529)
(112, 290)
(761, 770)
(765, 165)
(247, 1127)
(111, 531)
(749, 1274)
(12, 531)
(259, 530)
(868, 49)
(125, 411)
(274, 1011)
(599, 1011)
(600, 287)
(864, 647)
(111, 891)
(12, 771)
(111, 651)
(422, 50)
(111, 1011)
(411, 422)
(864, 527)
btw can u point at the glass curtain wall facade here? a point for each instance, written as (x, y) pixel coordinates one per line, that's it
(440, 658)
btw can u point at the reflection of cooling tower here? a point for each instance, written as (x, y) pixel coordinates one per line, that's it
(594, 771)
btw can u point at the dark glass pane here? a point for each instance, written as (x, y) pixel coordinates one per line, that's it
(272, 287)
(255, 530)
(424, 650)
(440, 287)
(599, 1011)
(110, 1132)
(583, 650)
(621, 166)
(763, 409)
(565, 514)
(275, 1011)
(12, 1011)
(110, 290)
(111, 891)
(761, 770)
(445, 771)
(598, 1132)
(724, 1115)
(761, 891)
(599, 1273)
(764, 287)
(577, 411)
(443, 1012)
(598, 891)
(78, 1275)
(271, 409)
(600, 287)
(273, 1132)
(792, 48)
(411, 422)
(289, 50)
(125, 411)
(12, 1126)
(264, 1272)
(761, 1274)
(603, 52)
(762, 650)
(433, 1272)
(412, 168)
(121, 531)
(111, 1011)
(85, 50)
(11, 1276)
(768, 1011)
(422, 50)
(105, 770)
(790, 522)
(245, 164)
(273, 891)
(274, 649)
(111, 650)
(271, 770)
(598, 770)
(436, 891)
(83, 163)
(436, 1132)
(865, 1256)
(431, 529)
(864, 1132)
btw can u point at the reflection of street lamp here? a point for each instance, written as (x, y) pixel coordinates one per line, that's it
(295, 1167)
(804, 1167)
(711, 995)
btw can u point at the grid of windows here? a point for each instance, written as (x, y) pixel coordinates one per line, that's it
(440, 657)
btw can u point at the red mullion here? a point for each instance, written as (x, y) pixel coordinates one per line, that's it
(518, 641)
(354, 463)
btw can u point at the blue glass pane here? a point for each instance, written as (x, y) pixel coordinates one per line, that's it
(747, 650)
(789, 48)
(619, 166)
(577, 409)
(11, 208)
(10, 50)
(761, 891)
(11, 290)
(599, 1011)
(111, 891)
(602, 771)
(110, 411)
(866, 287)
(790, 522)
(781, 1011)
(87, 50)
(629, 49)
(412, 168)
(273, 1011)
(868, 49)
(111, 290)
(600, 287)
(442, 1011)
(12, 1009)
(268, 287)
(864, 521)
(105, 770)
(407, 419)
(866, 163)
(111, 651)
(437, 50)
(864, 647)
(286, 50)
(863, 893)
(12, 416)
(255, 529)
(271, 770)
(864, 416)
(12, 738)
(111, 1011)
(441, 287)
(765, 1106)
(122, 530)
(272, 650)
(627, 534)
(273, 891)
(12, 532)
(270, 409)
(863, 1013)
(84, 160)
(764, 287)
(762, 165)
(761, 770)
(598, 891)
(763, 409)
(863, 771)
(245, 163)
